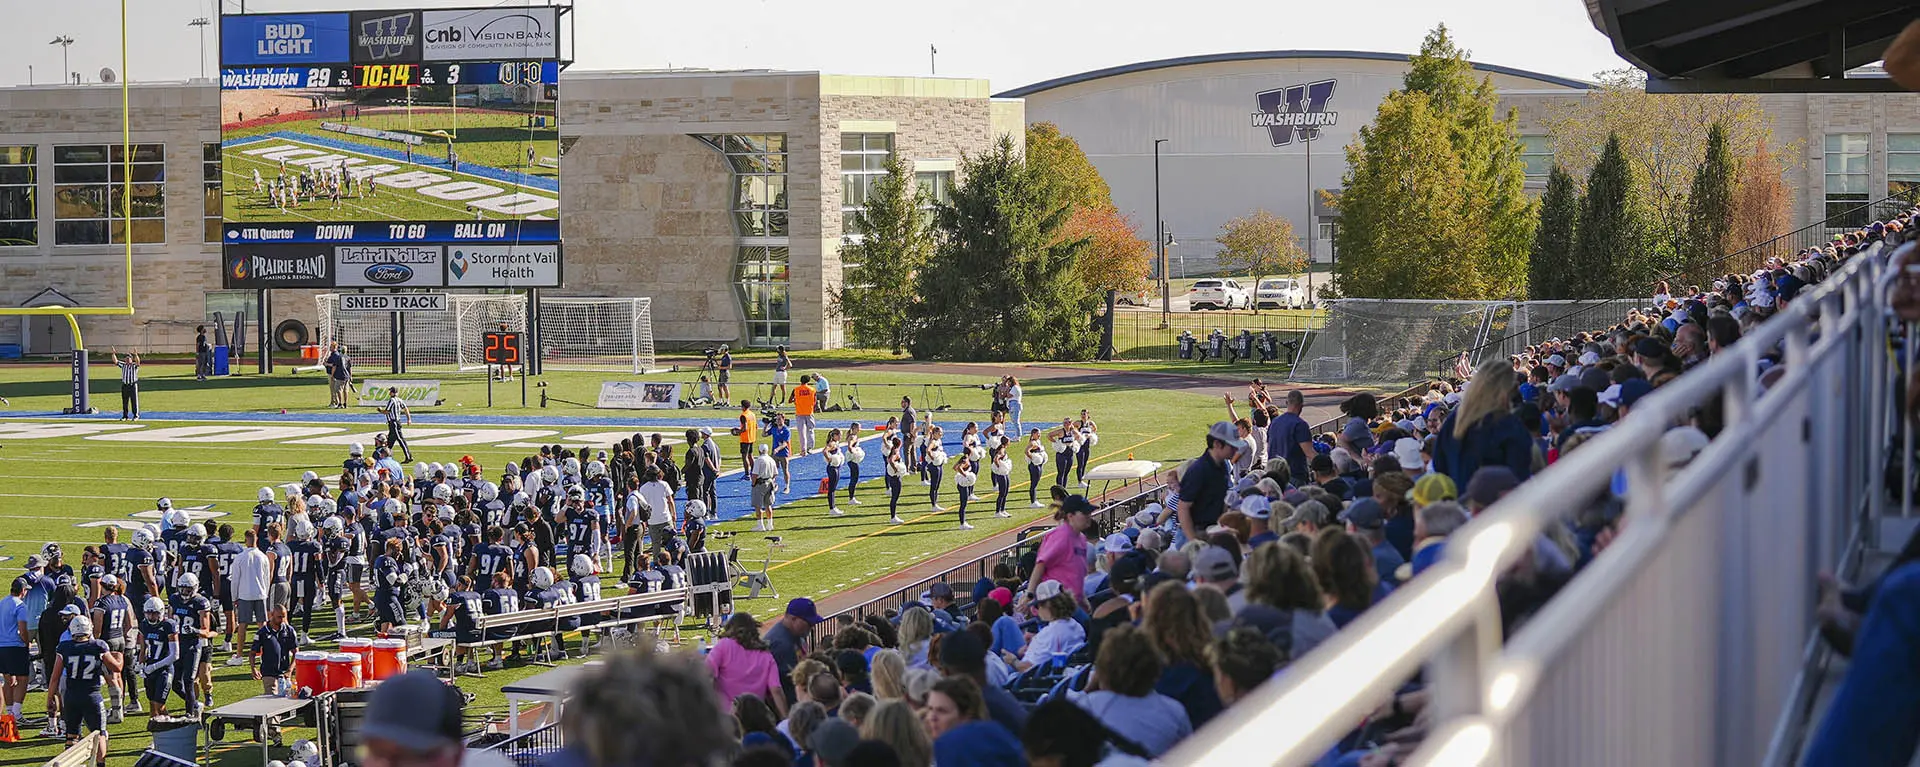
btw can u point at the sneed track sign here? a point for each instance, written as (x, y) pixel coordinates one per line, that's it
(393, 302)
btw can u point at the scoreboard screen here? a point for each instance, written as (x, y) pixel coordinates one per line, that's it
(390, 127)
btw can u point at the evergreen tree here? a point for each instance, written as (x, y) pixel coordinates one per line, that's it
(1609, 244)
(1710, 207)
(1552, 254)
(1402, 230)
(1002, 284)
(896, 242)
(1480, 216)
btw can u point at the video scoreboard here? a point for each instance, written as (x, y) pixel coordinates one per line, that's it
(395, 130)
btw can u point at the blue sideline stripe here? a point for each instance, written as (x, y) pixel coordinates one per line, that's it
(541, 183)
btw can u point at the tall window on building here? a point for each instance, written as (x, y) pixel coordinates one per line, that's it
(937, 185)
(90, 182)
(1537, 153)
(210, 192)
(863, 160)
(759, 163)
(1903, 165)
(1847, 179)
(761, 273)
(19, 208)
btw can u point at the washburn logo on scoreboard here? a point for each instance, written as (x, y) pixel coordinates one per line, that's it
(387, 36)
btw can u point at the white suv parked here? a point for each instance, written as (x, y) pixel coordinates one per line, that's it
(1217, 294)
(1280, 293)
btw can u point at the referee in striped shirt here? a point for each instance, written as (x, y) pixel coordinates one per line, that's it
(129, 386)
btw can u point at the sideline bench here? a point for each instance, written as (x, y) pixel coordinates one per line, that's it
(546, 621)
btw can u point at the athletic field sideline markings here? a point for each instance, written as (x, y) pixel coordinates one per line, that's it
(411, 199)
(532, 181)
(138, 479)
(931, 514)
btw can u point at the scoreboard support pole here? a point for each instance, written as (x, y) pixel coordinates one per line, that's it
(398, 323)
(532, 362)
(265, 358)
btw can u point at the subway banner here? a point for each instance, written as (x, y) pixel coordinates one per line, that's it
(391, 127)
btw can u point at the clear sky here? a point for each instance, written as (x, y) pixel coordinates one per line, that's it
(1010, 42)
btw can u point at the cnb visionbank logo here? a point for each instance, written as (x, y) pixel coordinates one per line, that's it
(1296, 110)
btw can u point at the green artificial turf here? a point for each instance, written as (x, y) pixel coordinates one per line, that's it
(49, 486)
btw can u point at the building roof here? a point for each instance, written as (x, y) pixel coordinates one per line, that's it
(1214, 58)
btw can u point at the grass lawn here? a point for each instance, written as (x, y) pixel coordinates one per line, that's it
(51, 486)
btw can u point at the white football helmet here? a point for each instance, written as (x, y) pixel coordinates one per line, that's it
(143, 537)
(308, 476)
(330, 524)
(550, 475)
(187, 583)
(435, 468)
(80, 626)
(420, 470)
(196, 532)
(305, 751)
(50, 551)
(542, 578)
(571, 466)
(445, 514)
(582, 564)
(443, 492)
(300, 528)
(487, 492)
(356, 450)
(596, 469)
(178, 518)
(265, 495)
(576, 491)
(521, 499)
(154, 605)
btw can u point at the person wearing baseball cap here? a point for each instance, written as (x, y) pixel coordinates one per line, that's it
(1112, 548)
(1063, 550)
(1203, 488)
(1214, 567)
(1308, 516)
(1259, 511)
(788, 635)
(1368, 520)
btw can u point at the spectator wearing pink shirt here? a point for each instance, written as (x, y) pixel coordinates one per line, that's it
(1063, 550)
(742, 664)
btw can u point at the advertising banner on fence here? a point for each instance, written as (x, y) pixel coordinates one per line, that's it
(637, 395)
(416, 393)
(388, 266)
(252, 267)
(492, 34)
(503, 266)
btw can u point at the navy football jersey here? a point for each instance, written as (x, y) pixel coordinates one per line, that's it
(304, 561)
(467, 606)
(266, 513)
(188, 612)
(155, 636)
(580, 524)
(83, 665)
(497, 601)
(114, 609)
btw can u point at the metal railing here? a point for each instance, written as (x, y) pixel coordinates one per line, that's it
(1682, 642)
(532, 747)
(1134, 495)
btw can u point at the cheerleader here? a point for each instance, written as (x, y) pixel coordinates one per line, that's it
(1002, 483)
(935, 466)
(1088, 437)
(856, 455)
(835, 459)
(1036, 463)
(971, 446)
(1065, 448)
(963, 478)
(896, 469)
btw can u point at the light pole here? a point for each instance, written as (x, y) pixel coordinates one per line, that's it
(63, 41)
(202, 23)
(1313, 225)
(1160, 242)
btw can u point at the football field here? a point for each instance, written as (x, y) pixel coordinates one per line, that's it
(503, 165)
(209, 446)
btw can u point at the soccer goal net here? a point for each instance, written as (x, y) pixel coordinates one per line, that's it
(597, 334)
(446, 341)
(1396, 343)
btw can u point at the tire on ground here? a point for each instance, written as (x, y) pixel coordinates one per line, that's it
(290, 335)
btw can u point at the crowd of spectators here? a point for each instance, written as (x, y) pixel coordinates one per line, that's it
(1112, 648)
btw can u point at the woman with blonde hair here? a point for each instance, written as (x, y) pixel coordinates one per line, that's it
(896, 724)
(916, 634)
(1278, 577)
(889, 670)
(1173, 620)
(1483, 431)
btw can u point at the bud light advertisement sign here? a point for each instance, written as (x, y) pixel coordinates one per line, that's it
(282, 39)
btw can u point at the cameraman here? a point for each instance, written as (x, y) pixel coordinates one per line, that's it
(725, 369)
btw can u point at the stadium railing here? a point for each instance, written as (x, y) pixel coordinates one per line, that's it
(1131, 497)
(532, 747)
(1683, 641)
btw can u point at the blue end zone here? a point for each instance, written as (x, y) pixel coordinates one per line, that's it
(542, 183)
